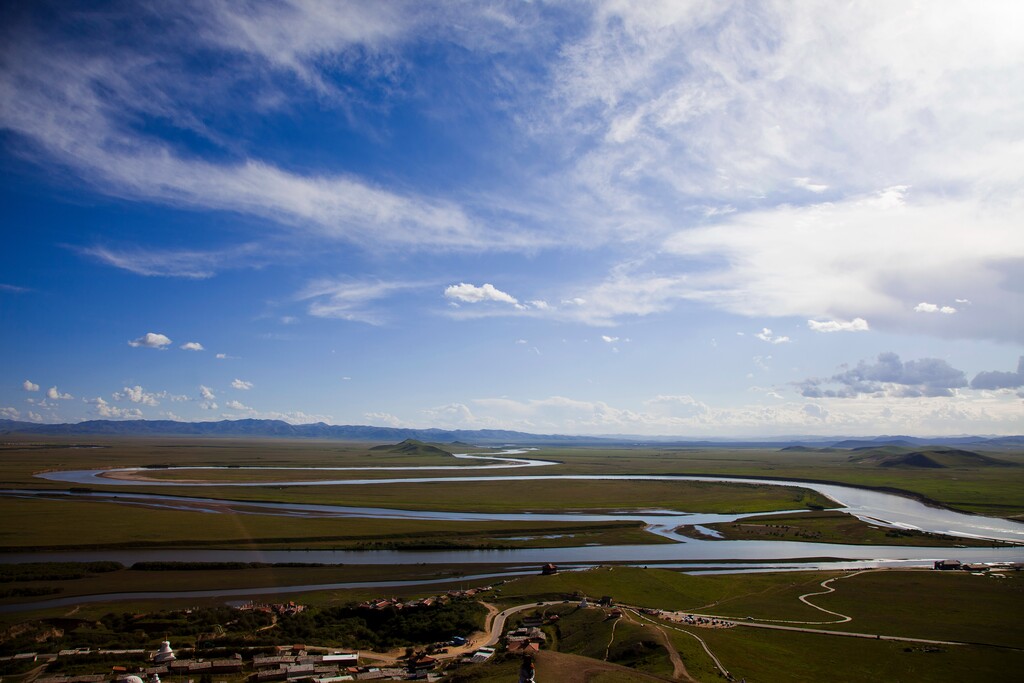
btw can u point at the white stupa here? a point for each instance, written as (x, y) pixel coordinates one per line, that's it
(164, 654)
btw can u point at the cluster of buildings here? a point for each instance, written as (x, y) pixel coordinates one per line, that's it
(396, 603)
(281, 609)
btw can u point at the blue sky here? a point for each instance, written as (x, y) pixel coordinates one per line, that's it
(694, 219)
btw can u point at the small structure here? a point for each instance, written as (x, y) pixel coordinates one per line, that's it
(164, 654)
(946, 565)
(606, 601)
(549, 569)
(422, 663)
(583, 603)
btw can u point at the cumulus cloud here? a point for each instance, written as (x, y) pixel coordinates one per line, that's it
(1000, 380)
(609, 340)
(9, 413)
(241, 384)
(385, 419)
(889, 376)
(151, 340)
(192, 346)
(29, 386)
(104, 409)
(137, 394)
(206, 393)
(209, 405)
(766, 335)
(53, 394)
(925, 307)
(855, 325)
(237, 405)
(472, 294)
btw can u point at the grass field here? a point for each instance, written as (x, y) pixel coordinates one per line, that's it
(42, 525)
(997, 491)
(833, 527)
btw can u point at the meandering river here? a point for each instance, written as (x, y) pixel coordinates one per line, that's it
(877, 507)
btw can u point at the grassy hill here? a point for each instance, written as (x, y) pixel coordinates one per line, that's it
(412, 447)
(930, 458)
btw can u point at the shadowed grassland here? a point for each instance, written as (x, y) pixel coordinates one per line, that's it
(920, 604)
(934, 605)
(175, 580)
(832, 527)
(591, 633)
(763, 656)
(43, 524)
(772, 595)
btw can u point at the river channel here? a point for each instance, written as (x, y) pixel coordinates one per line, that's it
(876, 507)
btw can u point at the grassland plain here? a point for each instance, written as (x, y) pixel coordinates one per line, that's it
(997, 491)
(830, 526)
(762, 656)
(31, 524)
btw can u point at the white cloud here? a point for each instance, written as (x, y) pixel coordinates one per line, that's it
(137, 394)
(29, 386)
(53, 394)
(810, 186)
(352, 300)
(925, 307)
(609, 340)
(384, 419)
(34, 417)
(206, 393)
(192, 346)
(104, 409)
(236, 405)
(766, 335)
(855, 325)
(188, 264)
(539, 304)
(151, 340)
(521, 341)
(241, 384)
(472, 294)
(209, 405)
(9, 413)
(855, 257)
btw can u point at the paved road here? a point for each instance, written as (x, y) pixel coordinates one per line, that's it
(498, 624)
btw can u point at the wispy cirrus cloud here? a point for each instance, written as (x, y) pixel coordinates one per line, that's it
(188, 264)
(353, 300)
(79, 104)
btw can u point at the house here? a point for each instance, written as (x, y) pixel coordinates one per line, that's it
(422, 663)
(549, 569)
(523, 647)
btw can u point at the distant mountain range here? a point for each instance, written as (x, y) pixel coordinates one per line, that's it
(491, 437)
